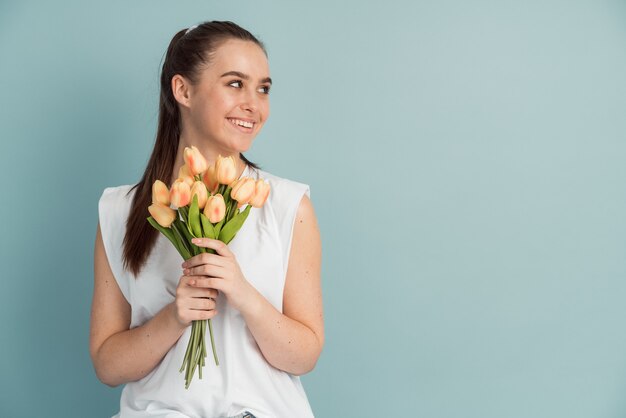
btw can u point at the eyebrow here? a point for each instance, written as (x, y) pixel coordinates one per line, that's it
(245, 76)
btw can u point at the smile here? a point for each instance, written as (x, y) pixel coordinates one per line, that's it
(243, 125)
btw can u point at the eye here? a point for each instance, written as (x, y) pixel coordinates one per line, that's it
(238, 83)
(264, 89)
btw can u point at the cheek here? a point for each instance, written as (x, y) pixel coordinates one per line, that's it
(217, 111)
(204, 112)
(265, 110)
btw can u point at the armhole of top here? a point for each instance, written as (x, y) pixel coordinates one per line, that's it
(301, 190)
(112, 230)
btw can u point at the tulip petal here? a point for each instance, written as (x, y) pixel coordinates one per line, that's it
(164, 215)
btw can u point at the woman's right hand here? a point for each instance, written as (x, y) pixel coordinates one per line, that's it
(193, 303)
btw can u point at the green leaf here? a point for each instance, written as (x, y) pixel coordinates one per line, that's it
(207, 227)
(168, 232)
(194, 249)
(165, 231)
(183, 230)
(218, 228)
(184, 248)
(194, 218)
(183, 212)
(233, 226)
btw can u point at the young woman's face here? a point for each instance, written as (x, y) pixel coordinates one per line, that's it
(231, 103)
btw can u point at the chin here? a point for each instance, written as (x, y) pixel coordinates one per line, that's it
(244, 145)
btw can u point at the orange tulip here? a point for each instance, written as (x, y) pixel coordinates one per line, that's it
(199, 189)
(261, 191)
(194, 160)
(225, 170)
(209, 179)
(160, 193)
(180, 193)
(215, 208)
(164, 215)
(185, 174)
(242, 190)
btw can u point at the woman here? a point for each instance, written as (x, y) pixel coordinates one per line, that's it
(262, 291)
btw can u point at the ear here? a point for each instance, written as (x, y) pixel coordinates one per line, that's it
(180, 89)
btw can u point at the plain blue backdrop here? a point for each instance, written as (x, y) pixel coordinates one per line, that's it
(467, 164)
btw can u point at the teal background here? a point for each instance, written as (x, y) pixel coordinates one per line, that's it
(466, 162)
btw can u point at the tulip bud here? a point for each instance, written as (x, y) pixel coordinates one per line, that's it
(225, 170)
(262, 190)
(185, 175)
(180, 193)
(215, 208)
(243, 190)
(199, 189)
(160, 193)
(164, 215)
(194, 160)
(209, 179)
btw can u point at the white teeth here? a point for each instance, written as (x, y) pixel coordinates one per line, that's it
(242, 123)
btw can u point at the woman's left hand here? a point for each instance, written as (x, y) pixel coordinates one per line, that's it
(220, 271)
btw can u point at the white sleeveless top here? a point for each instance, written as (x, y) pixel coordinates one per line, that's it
(244, 380)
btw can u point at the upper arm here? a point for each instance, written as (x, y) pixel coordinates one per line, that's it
(302, 297)
(110, 312)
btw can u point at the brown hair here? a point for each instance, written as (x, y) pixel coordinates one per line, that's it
(188, 51)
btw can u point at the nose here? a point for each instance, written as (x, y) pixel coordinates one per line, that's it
(249, 103)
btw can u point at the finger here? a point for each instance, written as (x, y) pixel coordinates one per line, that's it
(189, 280)
(204, 304)
(217, 245)
(204, 258)
(209, 282)
(202, 292)
(205, 270)
(198, 315)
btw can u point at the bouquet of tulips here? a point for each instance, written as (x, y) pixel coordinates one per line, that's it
(207, 201)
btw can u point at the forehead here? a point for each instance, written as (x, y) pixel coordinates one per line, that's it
(238, 55)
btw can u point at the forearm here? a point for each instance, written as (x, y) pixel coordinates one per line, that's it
(130, 355)
(285, 343)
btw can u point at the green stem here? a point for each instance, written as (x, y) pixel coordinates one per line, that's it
(187, 353)
(190, 365)
(231, 211)
(203, 341)
(194, 359)
(217, 363)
